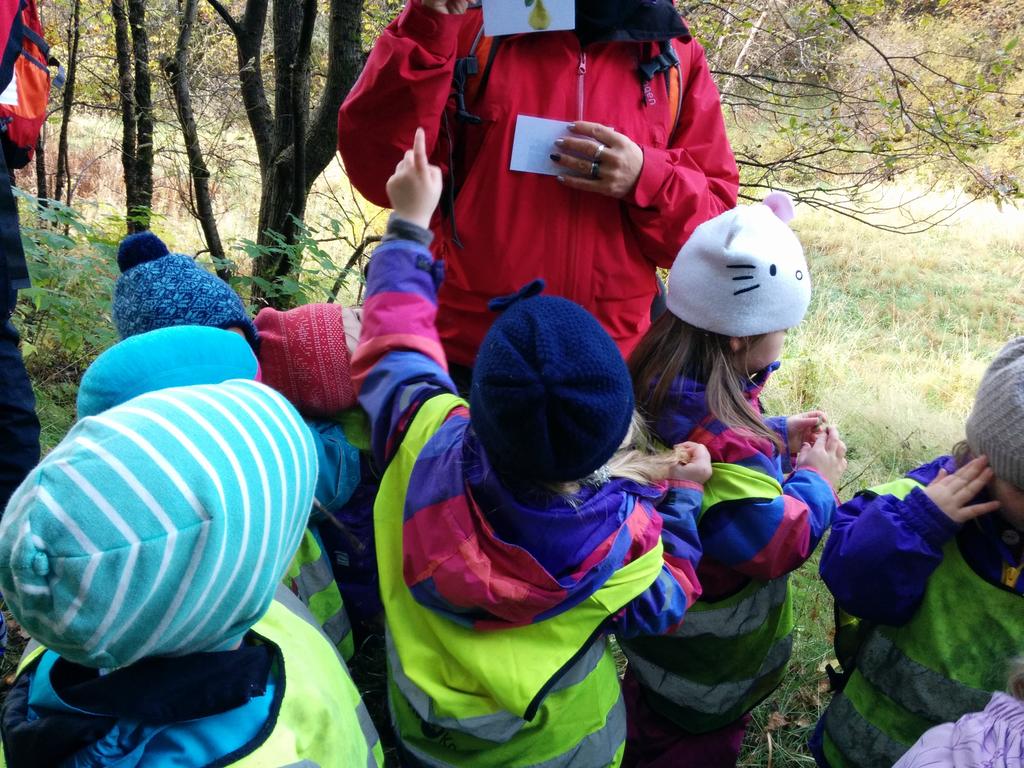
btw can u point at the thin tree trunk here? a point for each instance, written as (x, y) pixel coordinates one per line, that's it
(294, 163)
(744, 50)
(280, 185)
(277, 135)
(177, 73)
(300, 110)
(248, 32)
(126, 92)
(63, 164)
(139, 213)
(42, 190)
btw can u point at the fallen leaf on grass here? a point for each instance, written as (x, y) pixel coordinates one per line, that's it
(776, 720)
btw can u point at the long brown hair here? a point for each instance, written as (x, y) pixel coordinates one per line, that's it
(672, 348)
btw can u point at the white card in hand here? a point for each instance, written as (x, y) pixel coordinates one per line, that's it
(534, 143)
(511, 17)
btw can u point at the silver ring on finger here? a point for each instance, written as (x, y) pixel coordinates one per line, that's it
(597, 155)
(595, 170)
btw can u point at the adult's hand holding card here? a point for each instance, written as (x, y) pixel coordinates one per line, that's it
(533, 144)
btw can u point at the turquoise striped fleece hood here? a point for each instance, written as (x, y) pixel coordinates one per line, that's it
(160, 527)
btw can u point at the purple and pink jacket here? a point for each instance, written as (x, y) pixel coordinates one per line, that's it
(748, 537)
(883, 551)
(476, 550)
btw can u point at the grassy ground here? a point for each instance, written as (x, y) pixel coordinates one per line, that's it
(899, 332)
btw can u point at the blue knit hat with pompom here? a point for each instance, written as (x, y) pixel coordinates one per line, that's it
(551, 398)
(158, 289)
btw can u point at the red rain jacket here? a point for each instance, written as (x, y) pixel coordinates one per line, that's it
(597, 251)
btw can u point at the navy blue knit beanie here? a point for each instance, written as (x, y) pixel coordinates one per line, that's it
(551, 398)
(159, 289)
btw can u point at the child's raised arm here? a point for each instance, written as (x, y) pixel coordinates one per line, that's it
(399, 361)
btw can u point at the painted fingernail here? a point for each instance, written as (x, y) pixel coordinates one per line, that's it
(555, 157)
(559, 142)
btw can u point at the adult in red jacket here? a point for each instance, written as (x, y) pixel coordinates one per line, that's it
(595, 241)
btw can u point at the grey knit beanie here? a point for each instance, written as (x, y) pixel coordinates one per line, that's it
(995, 427)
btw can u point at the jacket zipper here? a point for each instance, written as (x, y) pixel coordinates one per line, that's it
(582, 71)
(575, 293)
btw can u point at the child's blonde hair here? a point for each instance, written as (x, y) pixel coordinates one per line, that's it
(673, 348)
(639, 458)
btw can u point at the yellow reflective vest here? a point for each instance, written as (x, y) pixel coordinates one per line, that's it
(321, 720)
(542, 694)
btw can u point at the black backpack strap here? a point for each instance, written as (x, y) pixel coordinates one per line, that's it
(665, 60)
(465, 67)
(665, 63)
(469, 66)
(35, 37)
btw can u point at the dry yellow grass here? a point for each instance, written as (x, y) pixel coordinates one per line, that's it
(900, 330)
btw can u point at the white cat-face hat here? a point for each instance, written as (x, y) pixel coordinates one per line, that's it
(743, 272)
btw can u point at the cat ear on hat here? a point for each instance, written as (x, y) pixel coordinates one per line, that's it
(781, 205)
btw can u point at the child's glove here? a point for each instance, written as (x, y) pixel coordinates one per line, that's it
(415, 186)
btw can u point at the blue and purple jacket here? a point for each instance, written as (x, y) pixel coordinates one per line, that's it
(475, 549)
(750, 536)
(883, 550)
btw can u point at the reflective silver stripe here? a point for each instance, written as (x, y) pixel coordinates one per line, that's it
(860, 742)
(289, 600)
(29, 649)
(594, 749)
(338, 627)
(303, 764)
(737, 620)
(584, 665)
(597, 748)
(715, 699)
(313, 577)
(498, 727)
(916, 688)
(369, 733)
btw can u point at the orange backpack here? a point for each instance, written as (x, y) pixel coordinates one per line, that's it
(23, 102)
